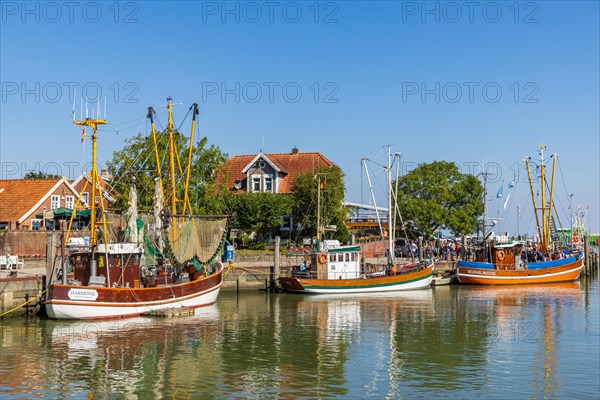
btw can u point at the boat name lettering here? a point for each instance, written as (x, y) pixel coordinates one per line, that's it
(476, 272)
(83, 294)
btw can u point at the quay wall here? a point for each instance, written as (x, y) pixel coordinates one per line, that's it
(29, 244)
(15, 292)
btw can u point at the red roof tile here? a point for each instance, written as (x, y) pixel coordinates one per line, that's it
(291, 165)
(17, 196)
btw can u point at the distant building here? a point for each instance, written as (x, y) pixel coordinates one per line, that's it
(83, 185)
(23, 200)
(275, 173)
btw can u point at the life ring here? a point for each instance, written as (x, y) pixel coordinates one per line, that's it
(322, 258)
(501, 255)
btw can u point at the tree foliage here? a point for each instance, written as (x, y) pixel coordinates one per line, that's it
(136, 164)
(258, 212)
(304, 193)
(40, 175)
(437, 195)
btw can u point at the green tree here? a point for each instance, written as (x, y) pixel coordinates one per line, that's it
(40, 175)
(258, 212)
(437, 195)
(305, 193)
(136, 164)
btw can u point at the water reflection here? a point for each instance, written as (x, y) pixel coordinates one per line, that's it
(466, 342)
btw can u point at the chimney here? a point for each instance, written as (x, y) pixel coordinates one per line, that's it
(104, 175)
(294, 150)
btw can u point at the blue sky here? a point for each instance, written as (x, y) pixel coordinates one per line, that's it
(480, 84)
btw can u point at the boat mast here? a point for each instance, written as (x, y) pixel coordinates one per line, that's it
(93, 123)
(548, 238)
(535, 209)
(151, 116)
(483, 225)
(318, 213)
(390, 226)
(172, 165)
(545, 211)
(186, 199)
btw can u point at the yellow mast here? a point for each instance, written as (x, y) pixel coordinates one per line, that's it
(550, 203)
(93, 225)
(186, 200)
(537, 221)
(172, 166)
(546, 211)
(160, 184)
(543, 205)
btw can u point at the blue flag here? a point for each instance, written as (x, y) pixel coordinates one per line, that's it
(500, 192)
(511, 184)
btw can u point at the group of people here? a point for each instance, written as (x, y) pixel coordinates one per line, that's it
(444, 250)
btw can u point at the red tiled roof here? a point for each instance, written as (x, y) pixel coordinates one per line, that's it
(17, 196)
(291, 165)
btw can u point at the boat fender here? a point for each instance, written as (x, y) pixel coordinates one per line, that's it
(501, 255)
(322, 258)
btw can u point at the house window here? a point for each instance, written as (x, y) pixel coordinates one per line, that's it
(54, 202)
(256, 183)
(70, 202)
(268, 183)
(97, 199)
(85, 197)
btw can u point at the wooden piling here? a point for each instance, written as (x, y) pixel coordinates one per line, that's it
(588, 257)
(276, 266)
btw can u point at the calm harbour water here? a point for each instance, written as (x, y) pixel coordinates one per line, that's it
(531, 342)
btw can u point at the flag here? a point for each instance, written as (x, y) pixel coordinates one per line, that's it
(82, 135)
(506, 201)
(500, 192)
(511, 184)
(322, 185)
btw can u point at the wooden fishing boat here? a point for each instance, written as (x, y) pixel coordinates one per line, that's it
(503, 261)
(109, 280)
(338, 270)
(341, 269)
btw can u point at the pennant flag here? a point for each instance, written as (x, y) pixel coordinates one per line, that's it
(500, 192)
(506, 201)
(511, 184)
(82, 135)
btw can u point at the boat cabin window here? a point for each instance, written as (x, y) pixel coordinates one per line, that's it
(347, 257)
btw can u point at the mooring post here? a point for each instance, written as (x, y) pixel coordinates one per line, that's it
(588, 256)
(50, 254)
(276, 268)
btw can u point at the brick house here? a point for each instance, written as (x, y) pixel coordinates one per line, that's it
(22, 199)
(269, 172)
(80, 186)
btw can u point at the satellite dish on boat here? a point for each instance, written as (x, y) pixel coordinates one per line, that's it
(237, 185)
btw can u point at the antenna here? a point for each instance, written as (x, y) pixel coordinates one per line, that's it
(86, 108)
(73, 112)
(104, 107)
(81, 108)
